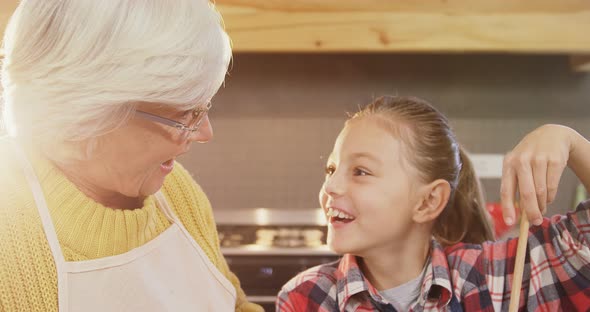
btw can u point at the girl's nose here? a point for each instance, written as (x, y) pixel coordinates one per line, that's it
(334, 185)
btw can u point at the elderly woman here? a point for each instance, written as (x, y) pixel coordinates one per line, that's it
(100, 98)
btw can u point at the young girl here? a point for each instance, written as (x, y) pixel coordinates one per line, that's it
(403, 203)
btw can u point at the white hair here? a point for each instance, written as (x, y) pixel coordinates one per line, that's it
(72, 69)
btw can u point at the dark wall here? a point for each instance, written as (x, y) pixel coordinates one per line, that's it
(277, 116)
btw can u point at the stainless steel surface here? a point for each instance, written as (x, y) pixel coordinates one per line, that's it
(275, 239)
(276, 251)
(262, 299)
(268, 216)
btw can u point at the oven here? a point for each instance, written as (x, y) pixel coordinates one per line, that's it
(266, 248)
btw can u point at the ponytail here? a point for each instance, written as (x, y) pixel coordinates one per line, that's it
(465, 219)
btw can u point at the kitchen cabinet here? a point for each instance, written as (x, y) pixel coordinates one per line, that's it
(447, 26)
(429, 26)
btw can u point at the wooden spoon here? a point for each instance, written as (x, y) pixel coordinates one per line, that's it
(519, 263)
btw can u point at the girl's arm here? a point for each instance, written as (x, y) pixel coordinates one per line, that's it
(557, 266)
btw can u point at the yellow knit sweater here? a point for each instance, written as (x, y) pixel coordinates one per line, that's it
(86, 230)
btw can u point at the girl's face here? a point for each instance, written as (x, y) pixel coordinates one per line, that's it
(368, 195)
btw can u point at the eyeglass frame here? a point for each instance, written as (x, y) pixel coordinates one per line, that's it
(176, 124)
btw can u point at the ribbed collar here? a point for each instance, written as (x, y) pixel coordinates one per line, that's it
(88, 228)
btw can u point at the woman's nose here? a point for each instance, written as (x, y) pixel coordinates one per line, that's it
(205, 132)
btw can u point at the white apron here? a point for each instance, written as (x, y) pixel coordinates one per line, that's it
(169, 273)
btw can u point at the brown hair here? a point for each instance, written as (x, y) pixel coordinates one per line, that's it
(433, 150)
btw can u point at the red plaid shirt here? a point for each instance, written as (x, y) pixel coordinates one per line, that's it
(467, 277)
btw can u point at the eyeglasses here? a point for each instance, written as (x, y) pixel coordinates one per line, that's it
(198, 115)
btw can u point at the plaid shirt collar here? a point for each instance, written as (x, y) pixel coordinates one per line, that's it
(353, 287)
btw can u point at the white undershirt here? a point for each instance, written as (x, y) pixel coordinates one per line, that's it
(404, 295)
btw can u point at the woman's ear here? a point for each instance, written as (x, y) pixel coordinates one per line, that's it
(433, 199)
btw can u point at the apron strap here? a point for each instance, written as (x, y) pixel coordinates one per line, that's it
(163, 204)
(212, 268)
(41, 204)
(47, 223)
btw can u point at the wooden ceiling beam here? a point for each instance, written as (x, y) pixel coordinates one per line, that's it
(408, 26)
(428, 26)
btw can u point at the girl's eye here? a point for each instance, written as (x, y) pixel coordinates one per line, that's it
(330, 170)
(360, 172)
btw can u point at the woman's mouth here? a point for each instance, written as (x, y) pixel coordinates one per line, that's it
(167, 166)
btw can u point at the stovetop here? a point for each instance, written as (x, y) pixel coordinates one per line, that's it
(275, 236)
(272, 231)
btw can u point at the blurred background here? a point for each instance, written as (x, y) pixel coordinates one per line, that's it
(497, 70)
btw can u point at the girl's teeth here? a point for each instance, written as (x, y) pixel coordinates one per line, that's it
(338, 214)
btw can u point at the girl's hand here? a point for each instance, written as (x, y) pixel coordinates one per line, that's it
(534, 168)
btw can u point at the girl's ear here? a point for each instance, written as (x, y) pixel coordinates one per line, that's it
(433, 199)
